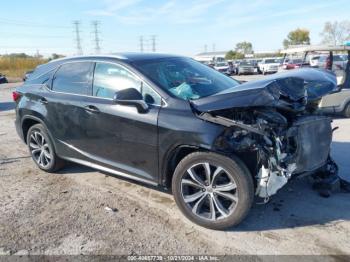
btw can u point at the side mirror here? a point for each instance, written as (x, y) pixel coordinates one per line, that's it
(131, 97)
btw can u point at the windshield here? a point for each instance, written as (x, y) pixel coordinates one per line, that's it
(221, 64)
(270, 61)
(185, 78)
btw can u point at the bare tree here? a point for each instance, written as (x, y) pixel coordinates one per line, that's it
(336, 33)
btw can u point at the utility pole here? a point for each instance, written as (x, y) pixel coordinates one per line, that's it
(77, 37)
(153, 39)
(96, 32)
(141, 44)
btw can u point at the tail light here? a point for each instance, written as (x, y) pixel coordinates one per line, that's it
(16, 96)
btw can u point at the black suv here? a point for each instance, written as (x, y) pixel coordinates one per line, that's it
(171, 121)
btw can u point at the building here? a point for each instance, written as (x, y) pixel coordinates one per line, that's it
(210, 56)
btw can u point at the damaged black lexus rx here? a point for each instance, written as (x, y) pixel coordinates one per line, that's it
(171, 121)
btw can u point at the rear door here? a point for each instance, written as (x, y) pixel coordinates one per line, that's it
(65, 107)
(118, 136)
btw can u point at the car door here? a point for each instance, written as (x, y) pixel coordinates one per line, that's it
(118, 136)
(65, 108)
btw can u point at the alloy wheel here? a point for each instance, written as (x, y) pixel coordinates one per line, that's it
(209, 191)
(40, 149)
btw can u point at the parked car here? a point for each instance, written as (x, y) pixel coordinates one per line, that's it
(3, 79)
(222, 67)
(314, 60)
(245, 68)
(292, 63)
(339, 62)
(269, 65)
(337, 103)
(173, 122)
(27, 74)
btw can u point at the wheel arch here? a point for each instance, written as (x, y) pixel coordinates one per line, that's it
(28, 121)
(180, 152)
(172, 160)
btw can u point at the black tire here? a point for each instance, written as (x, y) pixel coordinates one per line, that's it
(236, 171)
(53, 163)
(346, 111)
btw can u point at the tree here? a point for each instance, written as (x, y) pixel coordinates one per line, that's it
(297, 37)
(244, 48)
(231, 55)
(56, 56)
(336, 33)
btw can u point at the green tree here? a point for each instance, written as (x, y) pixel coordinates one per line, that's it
(244, 48)
(230, 55)
(336, 33)
(297, 37)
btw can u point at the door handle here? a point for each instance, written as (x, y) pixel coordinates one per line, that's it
(43, 101)
(92, 109)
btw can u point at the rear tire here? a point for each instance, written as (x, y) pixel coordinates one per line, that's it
(219, 200)
(42, 150)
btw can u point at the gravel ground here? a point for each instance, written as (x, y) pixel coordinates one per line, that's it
(65, 213)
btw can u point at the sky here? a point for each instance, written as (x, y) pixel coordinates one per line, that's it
(180, 26)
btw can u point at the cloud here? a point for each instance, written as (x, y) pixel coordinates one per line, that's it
(111, 7)
(141, 12)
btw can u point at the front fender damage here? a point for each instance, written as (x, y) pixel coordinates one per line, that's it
(284, 149)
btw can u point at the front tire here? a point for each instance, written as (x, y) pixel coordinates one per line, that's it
(42, 150)
(212, 190)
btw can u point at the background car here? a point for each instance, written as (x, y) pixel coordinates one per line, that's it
(222, 67)
(269, 65)
(339, 62)
(245, 67)
(3, 79)
(27, 74)
(292, 63)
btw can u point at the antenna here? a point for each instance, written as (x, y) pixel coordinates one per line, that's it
(77, 37)
(96, 32)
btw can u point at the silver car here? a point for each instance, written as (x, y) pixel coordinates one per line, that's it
(245, 68)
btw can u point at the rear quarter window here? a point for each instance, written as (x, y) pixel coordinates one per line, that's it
(73, 78)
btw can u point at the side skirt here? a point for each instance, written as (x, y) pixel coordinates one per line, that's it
(109, 170)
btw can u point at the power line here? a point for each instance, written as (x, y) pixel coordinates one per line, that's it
(96, 32)
(77, 37)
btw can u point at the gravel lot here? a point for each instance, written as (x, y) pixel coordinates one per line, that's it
(65, 213)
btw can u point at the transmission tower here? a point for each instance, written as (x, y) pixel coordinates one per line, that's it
(77, 37)
(141, 44)
(153, 39)
(96, 32)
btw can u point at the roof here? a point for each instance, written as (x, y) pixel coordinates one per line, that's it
(310, 48)
(130, 57)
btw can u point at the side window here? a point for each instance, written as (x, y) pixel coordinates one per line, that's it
(111, 78)
(73, 78)
(150, 96)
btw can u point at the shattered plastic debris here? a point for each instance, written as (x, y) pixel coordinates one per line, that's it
(111, 209)
(269, 182)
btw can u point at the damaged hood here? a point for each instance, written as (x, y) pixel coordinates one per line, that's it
(290, 90)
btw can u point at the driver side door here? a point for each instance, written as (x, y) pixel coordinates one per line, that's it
(118, 136)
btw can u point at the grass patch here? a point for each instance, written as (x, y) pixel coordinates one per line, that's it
(17, 66)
